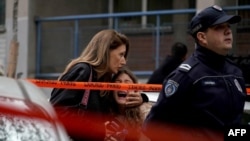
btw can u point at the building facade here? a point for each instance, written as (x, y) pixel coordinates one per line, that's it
(56, 48)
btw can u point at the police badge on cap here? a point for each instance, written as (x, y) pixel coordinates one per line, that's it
(170, 88)
(217, 7)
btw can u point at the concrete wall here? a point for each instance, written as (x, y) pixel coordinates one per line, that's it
(22, 34)
(201, 4)
(2, 53)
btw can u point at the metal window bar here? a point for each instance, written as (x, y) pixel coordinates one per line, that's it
(115, 16)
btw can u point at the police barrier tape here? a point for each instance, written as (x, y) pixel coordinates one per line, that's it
(95, 85)
(98, 85)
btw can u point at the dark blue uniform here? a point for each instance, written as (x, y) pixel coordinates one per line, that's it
(206, 90)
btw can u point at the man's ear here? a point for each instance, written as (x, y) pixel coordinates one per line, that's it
(201, 37)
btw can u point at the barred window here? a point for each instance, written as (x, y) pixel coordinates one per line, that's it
(245, 14)
(151, 5)
(2, 14)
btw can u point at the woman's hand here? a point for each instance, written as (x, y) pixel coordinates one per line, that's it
(133, 99)
(115, 131)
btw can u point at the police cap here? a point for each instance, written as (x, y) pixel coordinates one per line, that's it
(210, 16)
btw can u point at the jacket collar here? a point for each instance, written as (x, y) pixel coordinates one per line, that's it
(209, 57)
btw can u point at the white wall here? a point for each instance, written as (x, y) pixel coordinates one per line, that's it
(201, 4)
(22, 34)
(2, 53)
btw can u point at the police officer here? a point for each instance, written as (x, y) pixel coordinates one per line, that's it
(206, 90)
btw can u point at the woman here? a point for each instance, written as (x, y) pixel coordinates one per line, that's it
(105, 54)
(127, 121)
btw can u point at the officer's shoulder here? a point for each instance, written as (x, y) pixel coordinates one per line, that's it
(188, 64)
(232, 66)
(231, 62)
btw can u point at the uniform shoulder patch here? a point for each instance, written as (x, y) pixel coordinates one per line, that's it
(170, 87)
(187, 65)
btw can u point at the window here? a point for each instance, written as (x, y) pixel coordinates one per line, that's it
(128, 6)
(245, 15)
(147, 5)
(2, 15)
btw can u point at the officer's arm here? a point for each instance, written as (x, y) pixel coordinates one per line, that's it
(176, 92)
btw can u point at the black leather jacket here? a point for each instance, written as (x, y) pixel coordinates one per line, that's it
(67, 100)
(69, 97)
